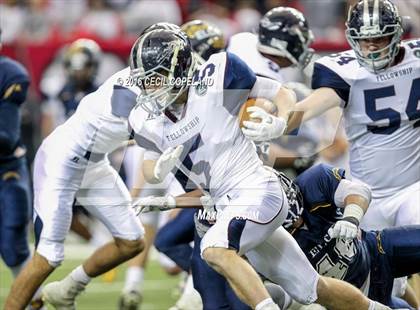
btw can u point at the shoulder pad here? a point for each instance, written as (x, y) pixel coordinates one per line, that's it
(344, 64)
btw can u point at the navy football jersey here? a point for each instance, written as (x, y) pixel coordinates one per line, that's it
(14, 82)
(334, 258)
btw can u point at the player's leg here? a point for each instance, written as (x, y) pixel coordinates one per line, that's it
(54, 191)
(106, 198)
(131, 295)
(173, 239)
(249, 218)
(211, 285)
(398, 251)
(14, 216)
(281, 260)
(408, 202)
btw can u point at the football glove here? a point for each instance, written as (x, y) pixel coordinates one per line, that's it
(344, 229)
(348, 227)
(166, 162)
(269, 128)
(207, 202)
(152, 203)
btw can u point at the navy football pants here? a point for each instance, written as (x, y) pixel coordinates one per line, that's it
(14, 212)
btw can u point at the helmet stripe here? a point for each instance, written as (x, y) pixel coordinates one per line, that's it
(174, 60)
(375, 20)
(366, 18)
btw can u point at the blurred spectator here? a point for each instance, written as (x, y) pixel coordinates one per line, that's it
(330, 24)
(270, 4)
(410, 10)
(247, 16)
(12, 21)
(140, 14)
(67, 13)
(39, 25)
(100, 20)
(219, 15)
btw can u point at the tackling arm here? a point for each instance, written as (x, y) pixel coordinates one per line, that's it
(191, 199)
(355, 198)
(321, 100)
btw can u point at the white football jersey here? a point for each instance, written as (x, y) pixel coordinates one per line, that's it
(100, 123)
(244, 45)
(382, 117)
(216, 152)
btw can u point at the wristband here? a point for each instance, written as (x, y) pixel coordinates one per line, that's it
(353, 210)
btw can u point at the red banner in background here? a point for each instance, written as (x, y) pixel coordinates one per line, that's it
(37, 56)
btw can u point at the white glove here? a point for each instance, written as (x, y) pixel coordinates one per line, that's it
(347, 228)
(343, 229)
(207, 202)
(270, 127)
(152, 203)
(167, 161)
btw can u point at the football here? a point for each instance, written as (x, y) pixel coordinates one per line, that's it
(267, 105)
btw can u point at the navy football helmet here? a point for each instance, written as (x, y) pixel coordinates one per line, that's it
(284, 32)
(295, 199)
(374, 19)
(205, 38)
(162, 64)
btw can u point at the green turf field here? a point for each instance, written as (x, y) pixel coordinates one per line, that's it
(160, 290)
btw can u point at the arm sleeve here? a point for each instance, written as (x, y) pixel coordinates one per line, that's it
(325, 77)
(152, 152)
(123, 101)
(346, 188)
(265, 88)
(238, 81)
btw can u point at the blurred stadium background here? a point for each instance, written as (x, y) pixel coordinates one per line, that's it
(35, 31)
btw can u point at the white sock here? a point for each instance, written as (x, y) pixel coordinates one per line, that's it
(134, 277)
(16, 269)
(79, 275)
(189, 285)
(267, 304)
(278, 294)
(374, 305)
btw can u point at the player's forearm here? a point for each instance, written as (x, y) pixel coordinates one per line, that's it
(285, 101)
(354, 197)
(314, 105)
(148, 171)
(189, 200)
(358, 200)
